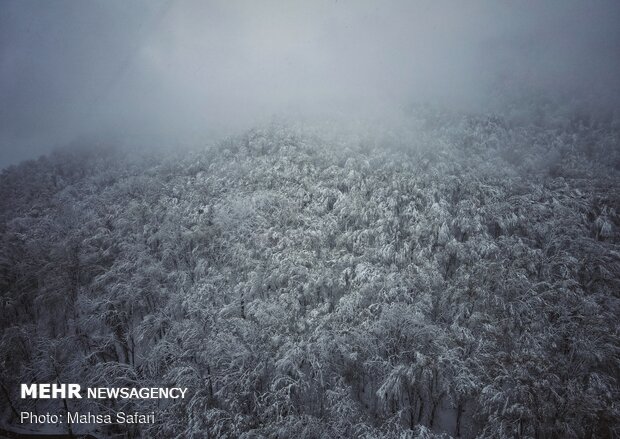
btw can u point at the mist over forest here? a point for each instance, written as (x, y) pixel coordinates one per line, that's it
(327, 219)
(187, 72)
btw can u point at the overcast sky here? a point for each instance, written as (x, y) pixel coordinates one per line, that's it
(181, 71)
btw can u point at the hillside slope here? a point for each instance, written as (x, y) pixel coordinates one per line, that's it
(457, 275)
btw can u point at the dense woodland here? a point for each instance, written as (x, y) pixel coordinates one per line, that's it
(456, 275)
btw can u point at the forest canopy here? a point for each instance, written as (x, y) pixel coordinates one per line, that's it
(456, 275)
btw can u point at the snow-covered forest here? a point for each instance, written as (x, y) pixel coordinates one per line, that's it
(453, 275)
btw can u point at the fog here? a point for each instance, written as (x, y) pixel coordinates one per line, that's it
(182, 72)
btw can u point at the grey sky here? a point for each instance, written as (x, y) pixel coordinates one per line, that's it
(179, 71)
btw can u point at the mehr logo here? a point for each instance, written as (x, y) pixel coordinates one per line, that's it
(50, 391)
(69, 391)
